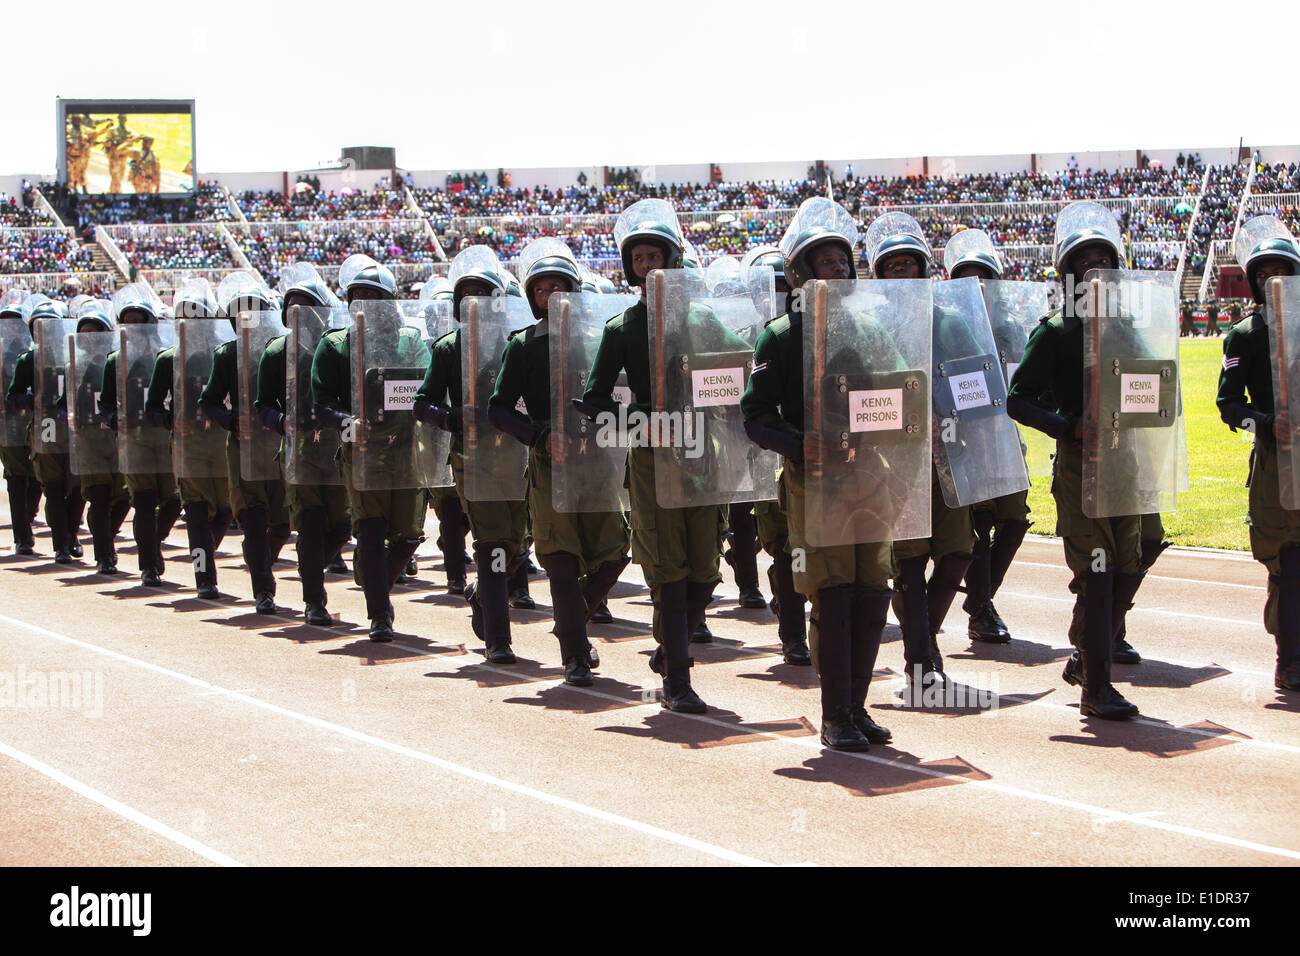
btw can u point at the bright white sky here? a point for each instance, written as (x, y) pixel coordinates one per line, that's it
(543, 84)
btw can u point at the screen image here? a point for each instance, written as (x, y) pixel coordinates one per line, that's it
(128, 152)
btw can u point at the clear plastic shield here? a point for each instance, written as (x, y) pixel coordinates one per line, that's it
(701, 358)
(589, 478)
(15, 339)
(978, 456)
(389, 362)
(1131, 390)
(50, 436)
(259, 446)
(1282, 314)
(92, 443)
(438, 319)
(866, 361)
(198, 443)
(142, 447)
(494, 461)
(1014, 309)
(310, 449)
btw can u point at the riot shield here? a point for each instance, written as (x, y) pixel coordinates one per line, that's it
(589, 478)
(435, 450)
(1282, 314)
(198, 443)
(1015, 308)
(15, 339)
(142, 447)
(309, 448)
(259, 446)
(92, 443)
(1131, 388)
(866, 361)
(389, 362)
(978, 456)
(494, 461)
(701, 355)
(50, 436)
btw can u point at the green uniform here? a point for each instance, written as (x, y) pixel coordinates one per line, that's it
(213, 491)
(162, 484)
(244, 494)
(774, 399)
(272, 382)
(1053, 365)
(331, 383)
(669, 544)
(1246, 382)
(594, 539)
(503, 522)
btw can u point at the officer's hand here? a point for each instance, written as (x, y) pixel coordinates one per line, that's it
(557, 446)
(1282, 429)
(814, 450)
(1088, 431)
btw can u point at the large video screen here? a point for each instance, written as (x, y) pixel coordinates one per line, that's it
(117, 146)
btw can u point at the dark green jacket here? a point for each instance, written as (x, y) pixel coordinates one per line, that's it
(1246, 376)
(442, 383)
(624, 346)
(525, 373)
(272, 377)
(1051, 366)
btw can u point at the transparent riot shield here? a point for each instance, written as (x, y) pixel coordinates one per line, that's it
(92, 443)
(142, 447)
(589, 476)
(15, 339)
(978, 456)
(1015, 308)
(866, 361)
(435, 443)
(310, 449)
(1131, 388)
(198, 443)
(50, 369)
(1282, 314)
(494, 461)
(389, 362)
(259, 446)
(701, 358)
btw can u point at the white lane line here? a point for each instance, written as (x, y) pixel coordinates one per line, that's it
(1142, 610)
(604, 816)
(1141, 819)
(121, 809)
(1153, 577)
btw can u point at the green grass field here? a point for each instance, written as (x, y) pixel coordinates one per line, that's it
(1213, 513)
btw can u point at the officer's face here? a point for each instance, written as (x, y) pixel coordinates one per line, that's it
(543, 288)
(967, 269)
(365, 293)
(828, 260)
(1272, 268)
(1094, 255)
(646, 258)
(475, 287)
(89, 325)
(134, 317)
(901, 265)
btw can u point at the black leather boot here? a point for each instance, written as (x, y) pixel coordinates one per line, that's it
(939, 594)
(168, 511)
(921, 670)
(518, 581)
(742, 554)
(792, 626)
(870, 609)
(371, 557)
(1099, 697)
(76, 506)
(1126, 588)
(198, 532)
(1287, 674)
(20, 516)
(570, 613)
(56, 516)
(101, 535)
(257, 556)
(835, 666)
(492, 594)
(674, 614)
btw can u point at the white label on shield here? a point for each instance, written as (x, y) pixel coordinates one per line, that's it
(969, 390)
(1011, 371)
(623, 394)
(718, 386)
(399, 396)
(876, 410)
(1139, 393)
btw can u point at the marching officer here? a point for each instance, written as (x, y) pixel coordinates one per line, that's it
(583, 553)
(388, 524)
(999, 525)
(848, 585)
(260, 506)
(678, 549)
(499, 528)
(15, 451)
(1087, 238)
(1265, 249)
